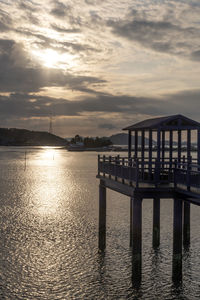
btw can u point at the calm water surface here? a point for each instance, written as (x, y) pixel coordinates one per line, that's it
(49, 233)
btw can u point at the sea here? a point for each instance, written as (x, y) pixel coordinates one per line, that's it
(49, 234)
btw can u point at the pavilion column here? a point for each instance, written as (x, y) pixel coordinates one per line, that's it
(150, 152)
(186, 225)
(163, 145)
(163, 148)
(158, 145)
(188, 144)
(142, 150)
(157, 163)
(179, 146)
(170, 148)
(102, 215)
(198, 147)
(129, 144)
(177, 240)
(136, 144)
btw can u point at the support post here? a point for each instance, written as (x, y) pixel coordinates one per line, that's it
(188, 144)
(131, 222)
(102, 215)
(136, 144)
(177, 241)
(158, 145)
(129, 144)
(150, 152)
(142, 151)
(163, 147)
(179, 146)
(186, 225)
(170, 148)
(157, 162)
(136, 237)
(198, 147)
(156, 222)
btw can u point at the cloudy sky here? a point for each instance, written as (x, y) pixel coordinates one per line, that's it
(97, 65)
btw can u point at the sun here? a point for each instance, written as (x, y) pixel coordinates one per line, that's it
(51, 58)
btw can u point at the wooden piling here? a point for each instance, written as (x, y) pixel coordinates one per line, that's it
(136, 237)
(156, 223)
(102, 215)
(186, 225)
(177, 241)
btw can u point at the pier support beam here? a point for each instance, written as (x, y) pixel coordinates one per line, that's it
(177, 241)
(156, 223)
(186, 225)
(136, 238)
(131, 222)
(102, 216)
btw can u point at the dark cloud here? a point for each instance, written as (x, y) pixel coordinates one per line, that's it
(17, 73)
(28, 6)
(160, 36)
(22, 104)
(65, 30)
(60, 10)
(107, 126)
(195, 55)
(103, 112)
(5, 21)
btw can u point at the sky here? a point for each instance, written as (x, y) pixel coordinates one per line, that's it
(96, 66)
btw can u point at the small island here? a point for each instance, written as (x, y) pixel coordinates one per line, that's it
(79, 143)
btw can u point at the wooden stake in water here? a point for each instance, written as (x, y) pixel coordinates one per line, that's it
(25, 161)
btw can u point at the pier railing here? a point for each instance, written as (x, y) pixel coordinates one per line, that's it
(185, 174)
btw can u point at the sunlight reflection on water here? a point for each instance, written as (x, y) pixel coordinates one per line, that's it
(49, 222)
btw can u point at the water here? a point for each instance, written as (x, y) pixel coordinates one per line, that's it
(49, 234)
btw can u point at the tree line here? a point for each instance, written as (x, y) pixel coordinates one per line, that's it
(91, 142)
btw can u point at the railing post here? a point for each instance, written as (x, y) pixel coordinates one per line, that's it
(175, 173)
(157, 172)
(188, 173)
(110, 167)
(136, 173)
(130, 169)
(98, 164)
(116, 168)
(123, 170)
(104, 158)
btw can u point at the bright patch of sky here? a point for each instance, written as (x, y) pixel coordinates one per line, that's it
(100, 58)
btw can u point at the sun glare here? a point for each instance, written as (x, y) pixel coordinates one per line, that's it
(53, 59)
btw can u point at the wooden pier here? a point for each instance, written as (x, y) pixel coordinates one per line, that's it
(169, 174)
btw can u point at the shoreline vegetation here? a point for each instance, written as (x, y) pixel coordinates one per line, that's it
(118, 142)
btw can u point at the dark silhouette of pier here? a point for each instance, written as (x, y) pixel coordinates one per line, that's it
(169, 174)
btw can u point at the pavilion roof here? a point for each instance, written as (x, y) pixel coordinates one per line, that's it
(173, 122)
